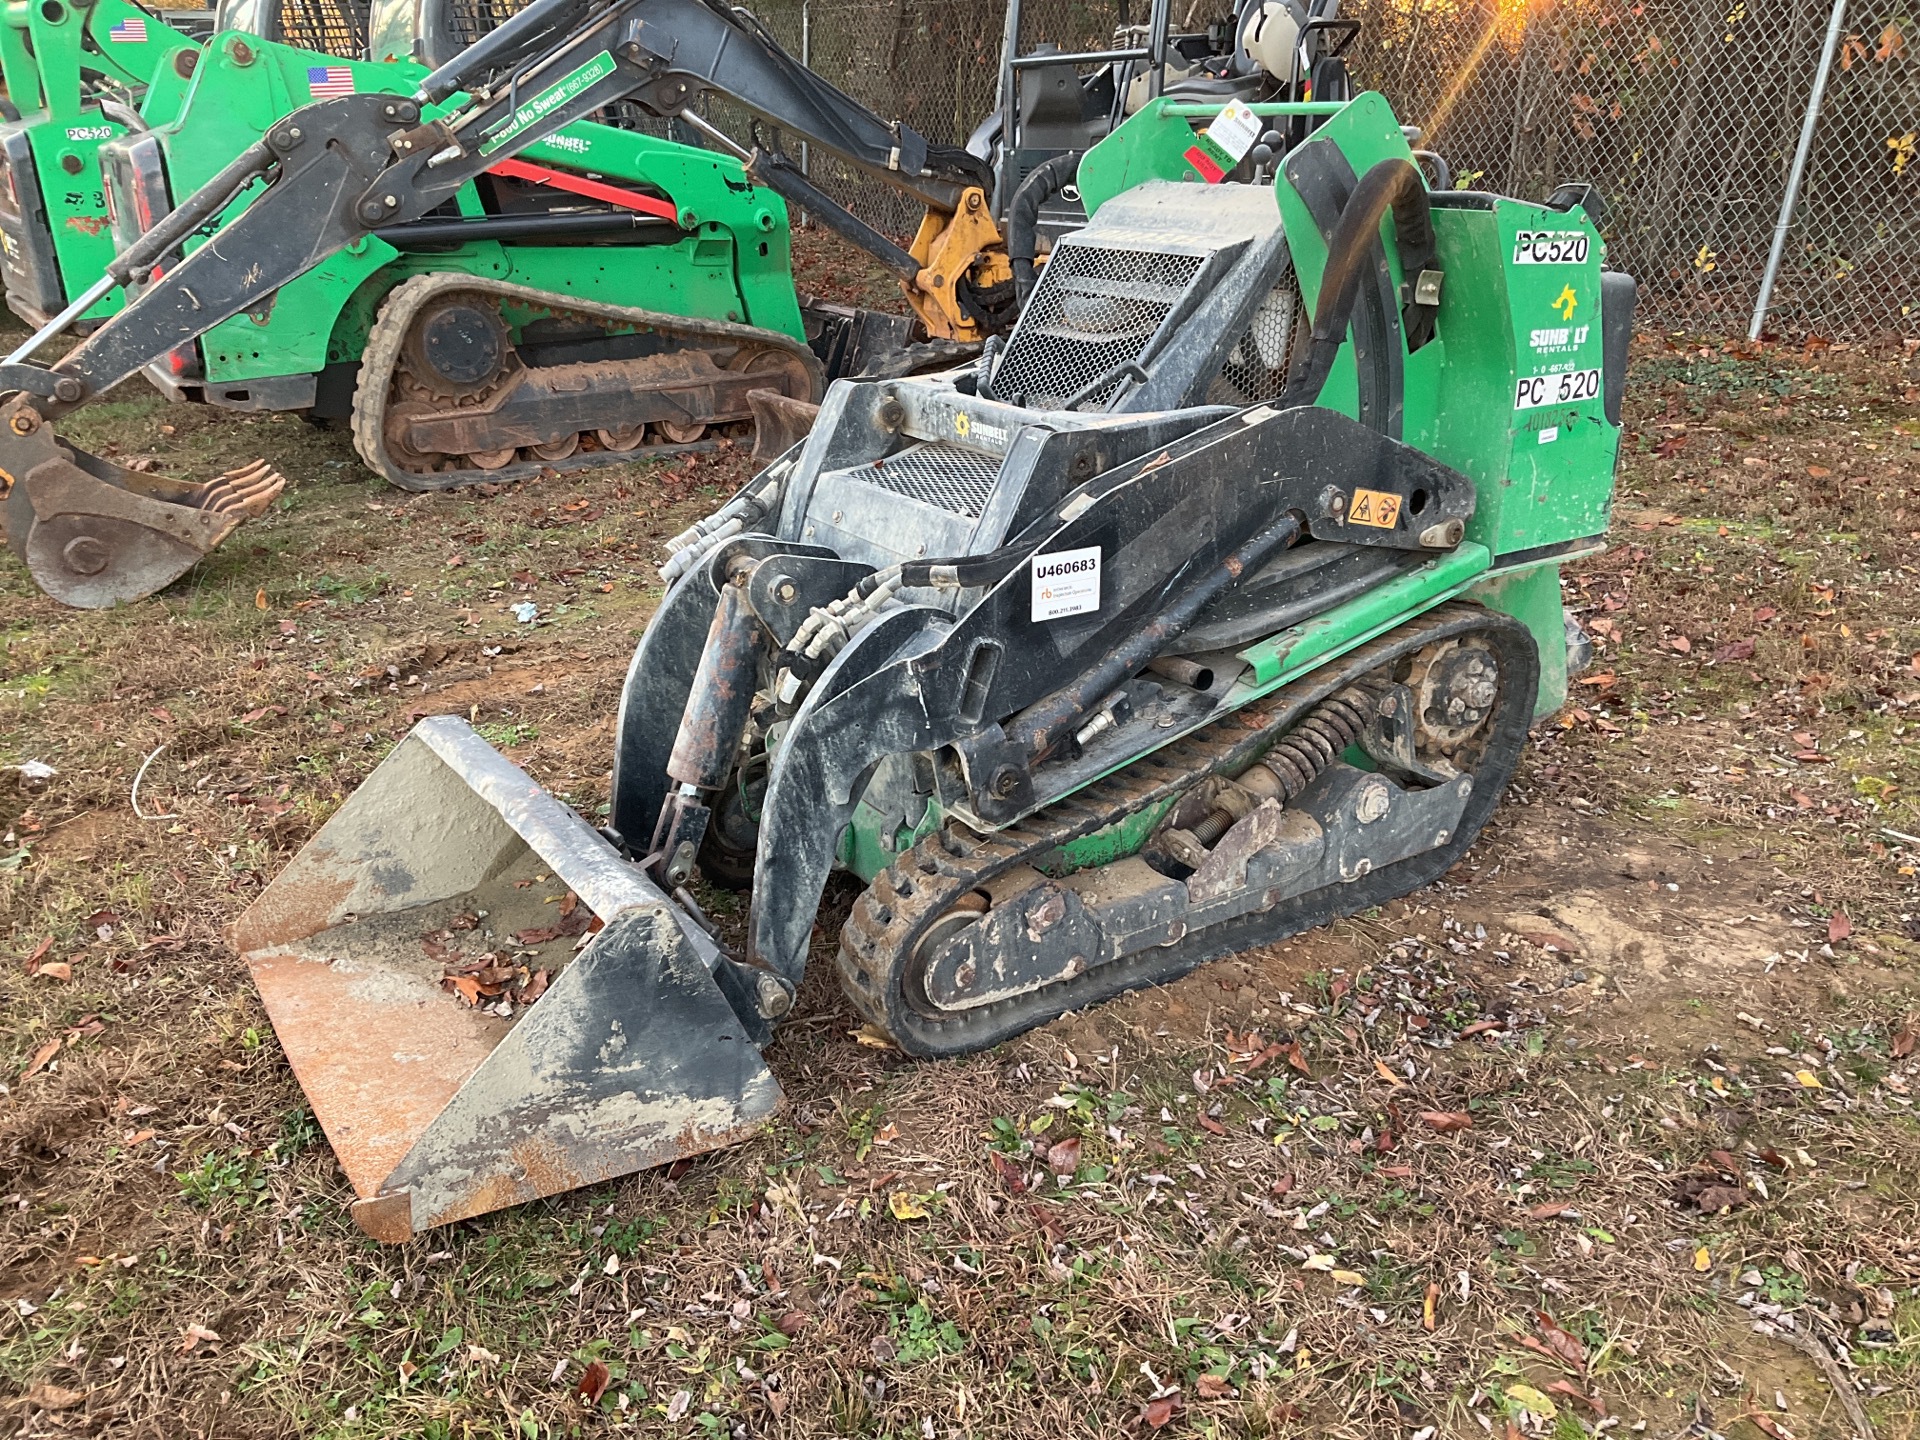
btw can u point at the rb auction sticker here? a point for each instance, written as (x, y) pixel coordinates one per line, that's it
(1066, 582)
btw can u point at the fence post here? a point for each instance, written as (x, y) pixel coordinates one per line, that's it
(1798, 173)
(806, 62)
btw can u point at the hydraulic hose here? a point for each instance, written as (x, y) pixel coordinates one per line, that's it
(1023, 216)
(1045, 723)
(1391, 184)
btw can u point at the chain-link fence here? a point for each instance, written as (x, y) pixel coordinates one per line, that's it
(1685, 113)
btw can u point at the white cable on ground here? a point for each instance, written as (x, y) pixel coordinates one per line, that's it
(139, 775)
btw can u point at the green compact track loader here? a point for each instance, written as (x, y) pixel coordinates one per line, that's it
(600, 292)
(76, 76)
(1210, 601)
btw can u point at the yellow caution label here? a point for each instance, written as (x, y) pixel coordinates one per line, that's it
(1374, 507)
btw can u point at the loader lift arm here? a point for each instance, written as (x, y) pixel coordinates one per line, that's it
(340, 168)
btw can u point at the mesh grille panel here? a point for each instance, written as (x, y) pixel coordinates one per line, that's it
(333, 27)
(947, 476)
(1093, 309)
(470, 20)
(1256, 369)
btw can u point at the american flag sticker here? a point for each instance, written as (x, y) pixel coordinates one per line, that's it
(130, 31)
(326, 81)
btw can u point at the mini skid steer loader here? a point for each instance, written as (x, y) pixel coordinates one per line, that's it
(1213, 604)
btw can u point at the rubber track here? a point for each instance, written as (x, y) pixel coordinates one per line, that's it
(373, 389)
(896, 910)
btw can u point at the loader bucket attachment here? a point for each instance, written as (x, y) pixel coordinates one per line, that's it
(448, 865)
(94, 534)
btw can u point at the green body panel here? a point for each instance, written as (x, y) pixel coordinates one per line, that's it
(1509, 313)
(873, 840)
(734, 265)
(47, 54)
(1301, 648)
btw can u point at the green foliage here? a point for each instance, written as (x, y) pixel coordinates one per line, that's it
(235, 1176)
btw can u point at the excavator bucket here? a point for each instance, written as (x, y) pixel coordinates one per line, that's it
(94, 534)
(780, 422)
(484, 1002)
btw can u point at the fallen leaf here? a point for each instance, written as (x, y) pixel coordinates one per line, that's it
(1281, 1187)
(1008, 1172)
(1565, 1345)
(1446, 1121)
(873, 1037)
(1531, 1400)
(1064, 1158)
(1724, 1159)
(678, 1406)
(905, 1206)
(1773, 1157)
(1733, 650)
(1348, 1277)
(1213, 1387)
(1818, 472)
(465, 986)
(1808, 1080)
(594, 1383)
(1430, 1305)
(1548, 1210)
(1839, 927)
(1708, 1193)
(1681, 643)
(42, 1058)
(55, 970)
(792, 1323)
(39, 953)
(1049, 1222)
(1703, 1259)
(1211, 1125)
(1297, 1060)
(1386, 1074)
(1903, 1044)
(1159, 1413)
(53, 1397)
(260, 598)
(1573, 1393)
(195, 1334)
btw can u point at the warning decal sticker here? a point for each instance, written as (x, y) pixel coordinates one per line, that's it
(1374, 507)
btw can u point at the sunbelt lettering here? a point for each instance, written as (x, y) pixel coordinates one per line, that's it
(1559, 337)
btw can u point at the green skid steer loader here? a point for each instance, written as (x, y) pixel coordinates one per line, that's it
(76, 76)
(656, 265)
(1212, 601)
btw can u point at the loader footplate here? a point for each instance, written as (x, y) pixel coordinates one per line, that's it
(449, 396)
(962, 943)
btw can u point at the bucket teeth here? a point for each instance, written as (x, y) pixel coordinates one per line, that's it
(249, 489)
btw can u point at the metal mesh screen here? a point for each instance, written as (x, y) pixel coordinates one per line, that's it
(1256, 369)
(333, 27)
(1093, 309)
(1685, 113)
(469, 20)
(951, 477)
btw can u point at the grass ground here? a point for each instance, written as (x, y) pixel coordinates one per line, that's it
(1446, 1168)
